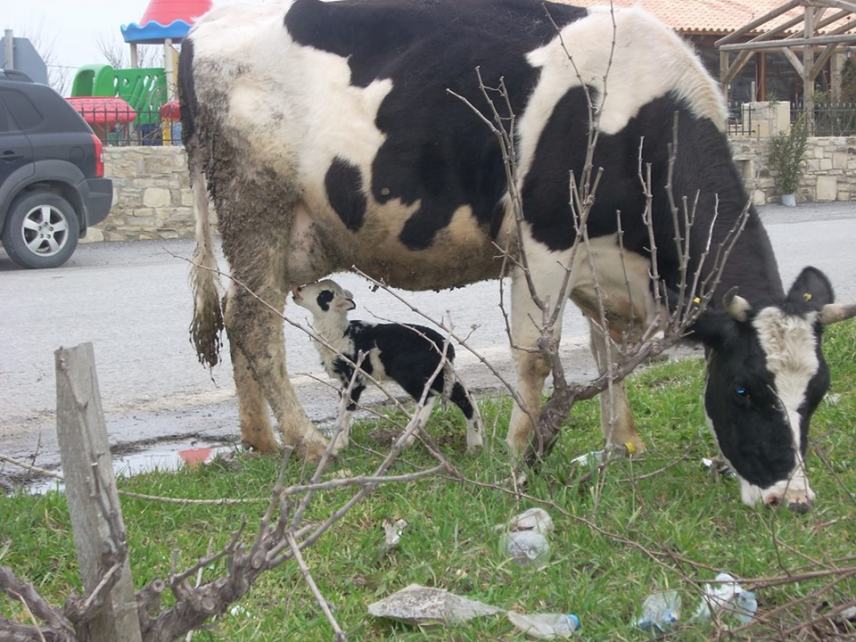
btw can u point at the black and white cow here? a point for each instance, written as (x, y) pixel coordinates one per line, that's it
(328, 139)
(408, 354)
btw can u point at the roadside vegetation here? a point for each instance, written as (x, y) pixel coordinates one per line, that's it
(623, 530)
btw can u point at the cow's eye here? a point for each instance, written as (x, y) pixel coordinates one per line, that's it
(741, 391)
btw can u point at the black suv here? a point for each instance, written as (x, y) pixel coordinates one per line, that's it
(52, 185)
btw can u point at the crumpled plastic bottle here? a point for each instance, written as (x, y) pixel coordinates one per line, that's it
(660, 611)
(727, 596)
(527, 548)
(545, 626)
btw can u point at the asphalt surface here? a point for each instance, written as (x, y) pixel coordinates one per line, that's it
(133, 302)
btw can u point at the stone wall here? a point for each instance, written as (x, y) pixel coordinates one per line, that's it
(829, 169)
(152, 197)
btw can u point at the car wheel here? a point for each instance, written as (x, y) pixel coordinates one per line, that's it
(41, 230)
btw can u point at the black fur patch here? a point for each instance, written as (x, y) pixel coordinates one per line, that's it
(324, 299)
(436, 150)
(344, 185)
(410, 354)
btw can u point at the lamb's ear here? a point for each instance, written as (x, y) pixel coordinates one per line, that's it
(345, 301)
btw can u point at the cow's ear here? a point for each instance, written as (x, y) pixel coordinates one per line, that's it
(811, 290)
(712, 328)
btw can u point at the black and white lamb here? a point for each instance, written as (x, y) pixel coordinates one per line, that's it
(405, 353)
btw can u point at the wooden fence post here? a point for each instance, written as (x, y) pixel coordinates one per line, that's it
(88, 470)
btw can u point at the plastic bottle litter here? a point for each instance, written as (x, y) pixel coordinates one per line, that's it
(392, 534)
(525, 539)
(660, 611)
(545, 626)
(527, 548)
(534, 519)
(727, 596)
(594, 458)
(420, 605)
(746, 606)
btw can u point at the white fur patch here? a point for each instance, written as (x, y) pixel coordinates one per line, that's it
(297, 113)
(790, 345)
(649, 61)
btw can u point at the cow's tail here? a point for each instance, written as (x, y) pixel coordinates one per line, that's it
(207, 324)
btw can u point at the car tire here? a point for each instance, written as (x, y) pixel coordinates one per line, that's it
(41, 230)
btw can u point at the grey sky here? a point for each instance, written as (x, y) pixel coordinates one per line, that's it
(71, 28)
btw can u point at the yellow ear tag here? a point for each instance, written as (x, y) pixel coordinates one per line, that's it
(806, 296)
(697, 300)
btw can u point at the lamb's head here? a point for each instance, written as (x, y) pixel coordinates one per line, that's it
(324, 299)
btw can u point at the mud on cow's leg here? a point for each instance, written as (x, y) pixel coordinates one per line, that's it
(256, 430)
(255, 332)
(616, 420)
(532, 367)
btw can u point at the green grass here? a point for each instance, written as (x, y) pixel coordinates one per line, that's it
(451, 543)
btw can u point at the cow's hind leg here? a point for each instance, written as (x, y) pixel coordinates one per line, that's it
(252, 408)
(616, 420)
(255, 330)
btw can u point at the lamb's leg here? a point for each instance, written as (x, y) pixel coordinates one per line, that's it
(343, 438)
(461, 398)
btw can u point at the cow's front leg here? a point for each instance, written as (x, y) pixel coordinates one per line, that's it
(616, 420)
(255, 330)
(527, 321)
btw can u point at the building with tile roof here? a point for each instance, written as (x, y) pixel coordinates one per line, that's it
(768, 74)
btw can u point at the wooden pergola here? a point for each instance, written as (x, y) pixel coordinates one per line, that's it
(838, 15)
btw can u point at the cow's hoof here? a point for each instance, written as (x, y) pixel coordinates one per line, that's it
(475, 449)
(312, 450)
(632, 446)
(340, 442)
(263, 446)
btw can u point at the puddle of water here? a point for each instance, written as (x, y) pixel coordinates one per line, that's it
(163, 456)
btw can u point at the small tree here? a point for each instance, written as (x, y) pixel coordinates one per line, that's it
(786, 156)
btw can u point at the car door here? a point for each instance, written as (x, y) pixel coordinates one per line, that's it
(16, 153)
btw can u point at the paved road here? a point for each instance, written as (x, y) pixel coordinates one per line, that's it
(133, 302)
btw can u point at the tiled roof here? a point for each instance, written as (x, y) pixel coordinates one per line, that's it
(713, 16)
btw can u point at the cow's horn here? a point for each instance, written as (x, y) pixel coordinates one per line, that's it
(736, 306)
(835, 312)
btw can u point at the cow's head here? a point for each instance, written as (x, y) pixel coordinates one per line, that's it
(324, 298)
(766, 376)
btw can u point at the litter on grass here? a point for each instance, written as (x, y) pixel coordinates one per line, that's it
(545, 626)
(717, 466)
(534, 519)
(660, 611)
(392, 533)
(726, 596)
(420, 605)
(527, 548)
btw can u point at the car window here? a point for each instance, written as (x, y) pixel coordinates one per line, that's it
(22, 109)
